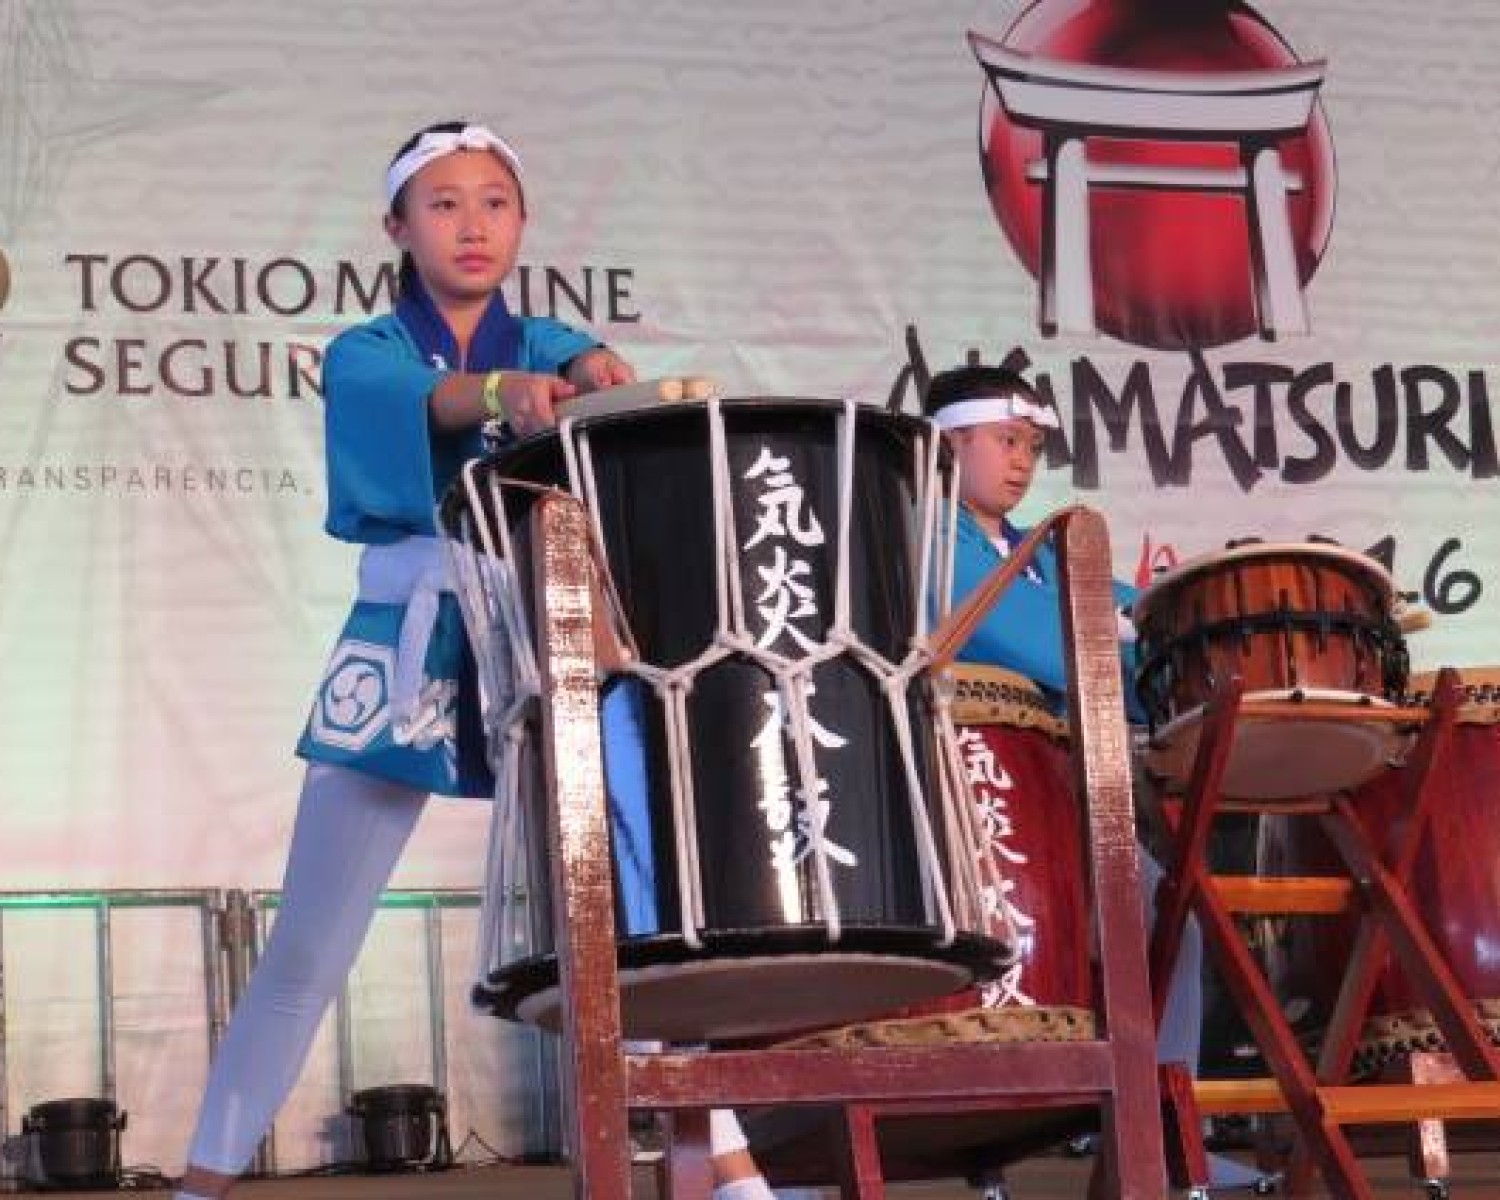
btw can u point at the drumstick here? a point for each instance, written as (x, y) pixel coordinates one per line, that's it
(1414, 620)
(630, 397)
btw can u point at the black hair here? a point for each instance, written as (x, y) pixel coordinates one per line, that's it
(972, 381)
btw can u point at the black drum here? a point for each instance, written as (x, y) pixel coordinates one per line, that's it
(788, 842)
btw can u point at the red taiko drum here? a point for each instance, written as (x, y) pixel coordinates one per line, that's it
(1455, 884)
(1015, 753)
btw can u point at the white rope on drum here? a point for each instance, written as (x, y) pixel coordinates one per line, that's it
(479, 615)
(482, 562)
(926, 457)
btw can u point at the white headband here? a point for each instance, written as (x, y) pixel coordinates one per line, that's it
(989, 409)
(436, 144)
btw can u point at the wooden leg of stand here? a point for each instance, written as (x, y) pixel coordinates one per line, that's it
(1300, 1168)
(1187, 843)
(1131, 1147)
(582, 891)
(1429, 1143)
(1398, 855)
(1262, 1013)
(689, 1174)
(860, 1175)
(1187, 1161)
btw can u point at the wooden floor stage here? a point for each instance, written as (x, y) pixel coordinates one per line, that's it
(1475, 1175)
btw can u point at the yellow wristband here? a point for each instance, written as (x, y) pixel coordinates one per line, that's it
(489, 394)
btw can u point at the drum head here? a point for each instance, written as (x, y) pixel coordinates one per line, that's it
(748, 995)
(1150, 598)
(1283, 758)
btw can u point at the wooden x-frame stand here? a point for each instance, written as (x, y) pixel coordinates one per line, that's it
(1374, 879)
(1115, 1073)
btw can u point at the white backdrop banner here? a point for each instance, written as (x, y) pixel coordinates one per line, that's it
(1255, 255)
(1261, 317)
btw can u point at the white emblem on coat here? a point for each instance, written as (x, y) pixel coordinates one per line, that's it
(354, 703)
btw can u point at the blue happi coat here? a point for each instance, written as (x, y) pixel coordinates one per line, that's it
(405, 707)
(1022, 632)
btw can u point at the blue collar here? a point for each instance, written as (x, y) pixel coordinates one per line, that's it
(496, 343)
(969, 529)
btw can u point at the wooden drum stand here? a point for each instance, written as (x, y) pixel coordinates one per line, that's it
(1114, 1072)
(1372, 879)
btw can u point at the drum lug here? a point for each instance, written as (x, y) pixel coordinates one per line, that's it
(1081, 1146)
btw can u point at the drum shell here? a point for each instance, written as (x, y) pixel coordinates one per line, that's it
(1018, 764)
(651, 532)
(1256, 615)
(652, 491)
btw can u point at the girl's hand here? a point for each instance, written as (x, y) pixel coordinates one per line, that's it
(599, 368)
(530, 401)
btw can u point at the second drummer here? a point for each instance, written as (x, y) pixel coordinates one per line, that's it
(997, 424)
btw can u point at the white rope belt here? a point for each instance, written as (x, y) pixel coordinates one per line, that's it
(412, 572)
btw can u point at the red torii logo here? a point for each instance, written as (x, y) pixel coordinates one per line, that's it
(1164, 171)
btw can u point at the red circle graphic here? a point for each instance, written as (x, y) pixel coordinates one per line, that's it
(1171, 269)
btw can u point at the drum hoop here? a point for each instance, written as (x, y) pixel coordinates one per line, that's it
(990, 695)
(1008, 1023)
(1396, 1036)
(577, 415)
(1384, 634)
(1481, 693)
(488, 468)
(1474, 676)
(1356, 701)
(1150, 596)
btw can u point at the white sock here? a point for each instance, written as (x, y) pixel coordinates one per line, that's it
(724, 1133)
(725, 1136)
(188, 1196)
(753, 1188)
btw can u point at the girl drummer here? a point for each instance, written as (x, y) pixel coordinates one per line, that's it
(392, 720)
(395, 717)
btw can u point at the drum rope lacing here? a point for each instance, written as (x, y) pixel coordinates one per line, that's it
(510, 686)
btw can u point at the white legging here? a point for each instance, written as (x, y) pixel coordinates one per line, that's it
(351, 829)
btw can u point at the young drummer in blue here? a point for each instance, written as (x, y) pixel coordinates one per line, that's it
(997, 424)
(396, 717)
